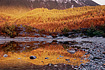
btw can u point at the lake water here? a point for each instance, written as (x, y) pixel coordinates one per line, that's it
(16, 54)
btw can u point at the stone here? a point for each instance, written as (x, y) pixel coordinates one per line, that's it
(50, 64)
(28, 46)
(103, 52)
(84, 36)
(46, 58)
(97, 58)
(5, 55)
(33, 57)
(49, 37)
(72, 51)
(55, 65)
(67, 59)
(103, 65)
(60, 56)
(57, 58)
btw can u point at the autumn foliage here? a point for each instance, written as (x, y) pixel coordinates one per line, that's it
(56, 20)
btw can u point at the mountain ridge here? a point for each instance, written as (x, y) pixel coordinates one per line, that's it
(50, 4)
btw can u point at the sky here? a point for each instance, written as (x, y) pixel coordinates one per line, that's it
(101, 2)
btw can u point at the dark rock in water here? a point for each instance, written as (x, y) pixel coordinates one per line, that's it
(96, 58)
(84, 36)
(82, 64)
(103, 52)
(33, 57)
(66, 34)
(5, 55)
(54, 41)
(70, 33)
(73, 36)
(72, 51)
(46, 58)
(19, 58)
(50, 37)
(60, 56)
(103, 65)
(66, 42)
(57, 58)
(67, 59)
(50, 64)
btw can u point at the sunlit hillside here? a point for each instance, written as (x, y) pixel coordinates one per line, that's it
(55, 20)
(14, 10)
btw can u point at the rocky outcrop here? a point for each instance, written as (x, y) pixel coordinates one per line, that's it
(50, 4)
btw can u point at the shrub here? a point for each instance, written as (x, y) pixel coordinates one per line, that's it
(93, 31)
(65, 30)
(9, 30)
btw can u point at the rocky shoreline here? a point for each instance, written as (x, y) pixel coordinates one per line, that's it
(94, 46)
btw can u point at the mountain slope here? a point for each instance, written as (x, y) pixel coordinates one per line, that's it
(56, 20)
(50, 4)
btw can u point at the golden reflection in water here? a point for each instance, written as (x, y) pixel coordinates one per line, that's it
(52, 52)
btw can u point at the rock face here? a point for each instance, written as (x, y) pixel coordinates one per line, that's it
(50, 4)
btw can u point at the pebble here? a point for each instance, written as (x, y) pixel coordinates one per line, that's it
(33, 57)
(55, 65)
(5, 55)
(57, 58)
(50, 64)
(19, 58)
(72, 51)
(67, 59)
(46, 58)
(61, 56)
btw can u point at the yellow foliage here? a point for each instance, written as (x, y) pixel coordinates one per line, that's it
(53, 20)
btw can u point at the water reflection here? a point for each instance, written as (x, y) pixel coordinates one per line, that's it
(45, 52)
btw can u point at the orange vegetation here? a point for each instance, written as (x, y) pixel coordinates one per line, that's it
(56, 20)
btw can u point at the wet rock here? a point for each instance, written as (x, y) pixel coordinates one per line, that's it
(83, 69)
(72, 51)
(97, 58)
(19, 58)
(66, 34)
(60, 37)
(73, 36)
(5, 55)
(66, 42)
(67, 59)
(54, 36)
(54, 41)
(57, 58)
(28, 46)
(55, 65)
(33, 57)
(82, 64)
(61, 56)
(46, 58)
(50, 37)
(41, 61)
(50, 64)
(103, 52)
(84, 36)
(103, 65)
(36, 34)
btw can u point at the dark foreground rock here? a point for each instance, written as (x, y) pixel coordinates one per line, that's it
(40, 67)
(33, 57)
